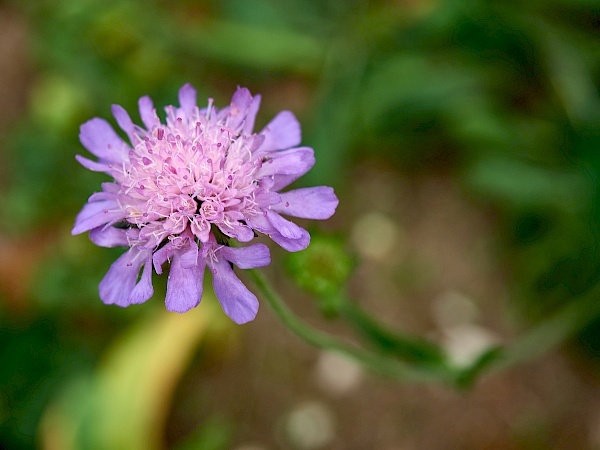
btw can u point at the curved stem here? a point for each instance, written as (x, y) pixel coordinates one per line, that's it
(542, 338)
(411, 349)
(553, 330)
(380, 364)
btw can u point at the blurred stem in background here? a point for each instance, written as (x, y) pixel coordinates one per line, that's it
(413, 359)
(372, 360)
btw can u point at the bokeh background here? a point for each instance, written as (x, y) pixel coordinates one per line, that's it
(463, 140)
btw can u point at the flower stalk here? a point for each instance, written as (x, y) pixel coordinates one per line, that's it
(411, 359)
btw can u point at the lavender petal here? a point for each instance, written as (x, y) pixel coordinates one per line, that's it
(184, 286)
(237, 301)
(93, 165)
(101, 140)
(251, 257)
(187, 99)
(124, 121)
(292, 245)
(241, 232)
(240, 102)
(260, 223)
(119, 281)
(308, 203)
(286, 228)
(295, 162)
(251, 117)
(281, 133)
(143, 290)
(109, 237)
(147, 112)
(161, 256)
(96, 214)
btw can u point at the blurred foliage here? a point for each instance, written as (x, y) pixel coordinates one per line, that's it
(502, 96)
(323, 270)
(132, 385)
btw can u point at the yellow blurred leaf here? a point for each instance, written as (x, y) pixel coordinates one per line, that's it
(126, 403)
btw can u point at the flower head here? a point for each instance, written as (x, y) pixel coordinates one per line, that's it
(182, 189)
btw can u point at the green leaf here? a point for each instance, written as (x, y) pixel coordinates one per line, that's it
(255, 46)
(520, 184)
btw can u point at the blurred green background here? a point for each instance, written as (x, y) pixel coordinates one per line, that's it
(463, 140)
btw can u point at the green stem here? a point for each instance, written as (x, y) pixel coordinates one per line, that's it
(413, 350)
(554, 330)
(542, 338)
(380, 364)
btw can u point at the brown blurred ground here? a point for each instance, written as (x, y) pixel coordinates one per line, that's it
(16, 257)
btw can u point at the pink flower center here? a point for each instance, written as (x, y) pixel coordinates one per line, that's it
(191, 171)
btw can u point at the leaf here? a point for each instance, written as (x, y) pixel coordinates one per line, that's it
(255, 46)
(125, 403)
(520, 184)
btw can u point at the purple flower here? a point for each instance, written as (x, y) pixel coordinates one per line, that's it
(183, 189)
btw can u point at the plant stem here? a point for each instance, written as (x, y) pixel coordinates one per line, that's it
(425, 362)
(543, 337)
(554, 330)
(411, 349)
(380, 364)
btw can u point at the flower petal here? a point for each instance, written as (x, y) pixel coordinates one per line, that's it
(190, 258)
(266, 198)
(283, 181)
(109, 237)
(96, 214)
(237, 301)
(101, 140)
(296, 162)
(119, 281)
(148, 113)
(124, 121)
(143, 290)
(308, 203)
(93, 165)
(259, 222)
(251, 117)
(187, 99)
(286, 228)
(292, 245)
(256, 255)
(161, 255)
(115, 188)
(281, 133)
(102, 196)
(237, 230)
(240, 102)
(184, 286)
